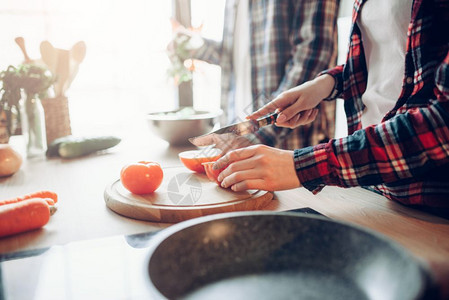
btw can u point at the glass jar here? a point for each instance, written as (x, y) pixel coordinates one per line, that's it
(33, 125)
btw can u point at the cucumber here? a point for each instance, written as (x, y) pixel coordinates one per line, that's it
(72, 146)
(86, 145)
(53, 147)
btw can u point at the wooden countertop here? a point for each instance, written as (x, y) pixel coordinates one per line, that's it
(83, 215)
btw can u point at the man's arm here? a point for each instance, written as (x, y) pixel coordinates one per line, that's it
(210, 52)
(314, 35)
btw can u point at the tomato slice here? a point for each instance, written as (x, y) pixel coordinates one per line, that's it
(193, 159)
(211, 173)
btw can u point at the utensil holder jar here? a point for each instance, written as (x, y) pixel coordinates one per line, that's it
(57, 117)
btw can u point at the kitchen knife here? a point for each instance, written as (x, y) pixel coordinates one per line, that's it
(237, 129)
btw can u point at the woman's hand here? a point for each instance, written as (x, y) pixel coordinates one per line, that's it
(258, 167)
(297, 106)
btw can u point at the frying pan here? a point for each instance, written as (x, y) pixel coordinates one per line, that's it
(270, 255)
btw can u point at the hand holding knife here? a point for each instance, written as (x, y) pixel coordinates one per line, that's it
(233, 131)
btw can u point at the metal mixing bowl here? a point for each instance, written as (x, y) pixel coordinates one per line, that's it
(176, 126)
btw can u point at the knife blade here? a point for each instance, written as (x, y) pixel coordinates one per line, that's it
(237, 129)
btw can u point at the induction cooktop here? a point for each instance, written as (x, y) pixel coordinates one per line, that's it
(106, 268)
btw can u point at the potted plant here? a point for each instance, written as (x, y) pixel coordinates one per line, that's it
(22, 89)
(35, 80)
(180, 51)
(9, 103)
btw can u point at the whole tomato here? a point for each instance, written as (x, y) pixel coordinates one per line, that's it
(142, 177)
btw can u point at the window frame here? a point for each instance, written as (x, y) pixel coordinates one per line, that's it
(182, 13)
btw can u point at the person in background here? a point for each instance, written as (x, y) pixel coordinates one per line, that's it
(395, 84)
(268, 47)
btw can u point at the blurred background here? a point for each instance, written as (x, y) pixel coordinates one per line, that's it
(124, 73)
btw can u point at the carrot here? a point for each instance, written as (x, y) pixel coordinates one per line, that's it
(49, 201)
(20, 199)
(42, 194)
(24, 216)
(51, 197)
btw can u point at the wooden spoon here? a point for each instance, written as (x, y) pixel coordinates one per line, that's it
(77, 54)
(78, 51)
(21, 42)
(49, 55)
(57, 61)
(62, 70)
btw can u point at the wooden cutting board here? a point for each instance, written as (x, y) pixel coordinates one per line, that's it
(182, 195)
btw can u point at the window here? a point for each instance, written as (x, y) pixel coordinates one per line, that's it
(124, 73)
(206, 79)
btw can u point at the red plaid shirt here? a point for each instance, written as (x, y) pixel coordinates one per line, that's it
(406, 156)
